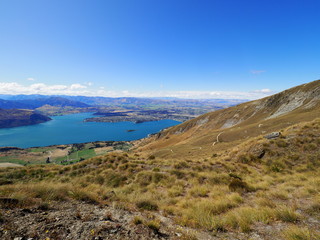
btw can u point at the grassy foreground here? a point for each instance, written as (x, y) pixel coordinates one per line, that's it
(271, 187)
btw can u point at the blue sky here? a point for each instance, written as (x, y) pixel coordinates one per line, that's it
(185, 48)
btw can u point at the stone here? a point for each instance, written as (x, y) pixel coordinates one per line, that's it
(272, 135)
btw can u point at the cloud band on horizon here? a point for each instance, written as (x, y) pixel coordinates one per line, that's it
(77, 89)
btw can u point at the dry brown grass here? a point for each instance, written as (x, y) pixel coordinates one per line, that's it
(217, 194)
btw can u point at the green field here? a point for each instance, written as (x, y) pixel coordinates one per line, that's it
(76, 156)
(12, 159)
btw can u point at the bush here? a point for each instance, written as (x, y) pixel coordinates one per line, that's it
(147, 205)
(179, 174)
(154, 225)
(181, 165)
(277, 166)
(286, 214)
(199, 191)
(246, 158)
(144, 178)
(137, 220)
(297, 233)
(281, 143)
(157, 177)
(113, 179)
(238, 185)
(83, 195)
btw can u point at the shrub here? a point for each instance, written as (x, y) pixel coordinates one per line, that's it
(238, 185)
(83, 195)
(113, 179)
(277, 166)
(199, 191)
(286, 214)
(281, 143)
(147, 205)
(181, 165)
(137, 220)
(314, 208)
(144, 178)
(176, 191)
(244, 217)
(154, 225)
(44, 206)
(246, 158)
(179, 174)
(310, 146)
(99, 179)
(157, 177)
(297, 233)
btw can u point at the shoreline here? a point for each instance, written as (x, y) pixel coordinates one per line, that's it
(62, 154)
(72, 129)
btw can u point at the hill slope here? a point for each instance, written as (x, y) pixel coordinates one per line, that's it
(16, 118)
(234, 124)
(8, 104)
(240, 194)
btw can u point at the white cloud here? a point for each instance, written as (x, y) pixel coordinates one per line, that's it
(257, 71)
(41, 88)
(186, 94)
(79, 89)
(77, 86)
(31, 79)
(264, 90)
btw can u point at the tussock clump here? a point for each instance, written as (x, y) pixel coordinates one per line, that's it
(153, 225)
(147, 205)
(299, 233)
(281, 143)
(178, 173)
(181, 165)
(152, 157)
(199, 191)
(114, 179)
(286, 214)
(137, 220)
(237, 185)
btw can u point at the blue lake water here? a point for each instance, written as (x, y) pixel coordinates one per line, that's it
(72, 129)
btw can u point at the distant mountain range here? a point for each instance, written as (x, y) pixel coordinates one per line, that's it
(30, 103)
(35, 101)
(181, 109)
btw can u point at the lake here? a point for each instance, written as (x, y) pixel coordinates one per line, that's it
(71, 128)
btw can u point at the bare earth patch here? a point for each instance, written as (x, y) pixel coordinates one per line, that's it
(9, 165)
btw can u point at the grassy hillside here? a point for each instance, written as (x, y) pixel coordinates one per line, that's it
(265, 187)
(214, 177)
(234, 125)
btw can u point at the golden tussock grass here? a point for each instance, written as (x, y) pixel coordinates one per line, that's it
(217, 194)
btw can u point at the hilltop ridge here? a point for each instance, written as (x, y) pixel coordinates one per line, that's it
(15, 118)
(250, 119)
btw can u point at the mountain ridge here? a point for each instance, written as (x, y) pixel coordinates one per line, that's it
(249, 119)
(39, 102)
(16, 118)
